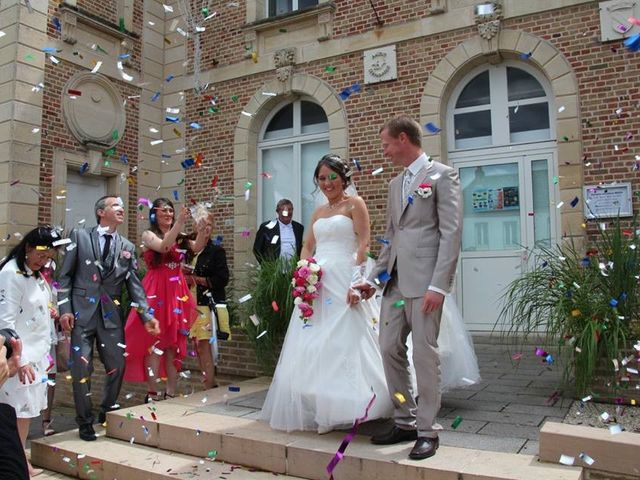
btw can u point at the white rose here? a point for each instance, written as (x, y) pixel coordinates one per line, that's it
(303, 263)
(314, 267)
(293, 282)
(312, 279)
(297, 300)
(311, 289)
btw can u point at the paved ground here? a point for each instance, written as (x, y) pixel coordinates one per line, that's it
(503, 413)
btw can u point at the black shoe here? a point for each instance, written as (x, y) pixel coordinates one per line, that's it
(87, 433)
(424, 448)
(395, 435)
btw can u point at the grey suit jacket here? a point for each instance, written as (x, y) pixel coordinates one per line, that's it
(86, 286)
(424, 236)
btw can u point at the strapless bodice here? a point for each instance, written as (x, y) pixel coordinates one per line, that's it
(335, 237)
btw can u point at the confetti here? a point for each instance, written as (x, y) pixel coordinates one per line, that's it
(567, 460)
(586, 459)
(456, 422)
(432, 128)
(377, 171)
(246, 298)
(400, 397)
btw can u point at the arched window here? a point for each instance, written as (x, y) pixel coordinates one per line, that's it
(294, 137)
(499, 105)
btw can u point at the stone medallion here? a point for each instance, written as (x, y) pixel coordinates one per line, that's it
(93, 110)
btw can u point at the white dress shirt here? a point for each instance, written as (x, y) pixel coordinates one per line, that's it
(287, 240)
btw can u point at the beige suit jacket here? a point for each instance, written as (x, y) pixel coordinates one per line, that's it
(423, 236)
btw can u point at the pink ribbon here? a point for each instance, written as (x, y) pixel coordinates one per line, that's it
(347, 439)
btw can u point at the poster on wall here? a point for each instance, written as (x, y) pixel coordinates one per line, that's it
(606, 201)
(495, 199)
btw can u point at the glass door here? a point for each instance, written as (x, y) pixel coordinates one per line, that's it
(507, 211)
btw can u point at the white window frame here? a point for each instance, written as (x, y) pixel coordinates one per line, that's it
(499, 105)
(297, 139)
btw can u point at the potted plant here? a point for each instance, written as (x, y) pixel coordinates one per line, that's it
(584, 302)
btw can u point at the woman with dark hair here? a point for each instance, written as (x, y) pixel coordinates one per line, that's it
(164, 247)
(330, 365)
(25, 298)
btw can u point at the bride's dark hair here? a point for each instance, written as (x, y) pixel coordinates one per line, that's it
(337, 164)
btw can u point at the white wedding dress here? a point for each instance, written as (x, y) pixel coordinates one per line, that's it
(329, 369)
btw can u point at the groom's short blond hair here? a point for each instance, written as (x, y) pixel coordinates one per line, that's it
(404, 124)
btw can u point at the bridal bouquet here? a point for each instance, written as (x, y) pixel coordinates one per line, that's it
(306, 283)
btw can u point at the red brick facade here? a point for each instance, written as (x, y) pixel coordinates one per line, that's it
(607, 77)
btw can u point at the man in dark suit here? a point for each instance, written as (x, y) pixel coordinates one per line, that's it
(281, 237)
(98, 263)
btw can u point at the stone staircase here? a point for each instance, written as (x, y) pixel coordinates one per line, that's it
(180, 439)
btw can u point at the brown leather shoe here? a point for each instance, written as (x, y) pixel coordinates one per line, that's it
(424, 448)
(395, 435)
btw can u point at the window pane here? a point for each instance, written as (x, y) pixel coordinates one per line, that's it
(310, 154)
(306, 3)
(279, 163)
(313, 118)
(476, 92)
(281, 125)
(529, 122)
(491, 207)
(541, 200)
(472, 129)
(278, 7)
(521, 85)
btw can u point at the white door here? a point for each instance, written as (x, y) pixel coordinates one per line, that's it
(509, 208)
(82, 193)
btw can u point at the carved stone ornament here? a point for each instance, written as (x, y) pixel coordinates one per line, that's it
(284, 57)
(284, 61)
(489, 24)
(93, 111)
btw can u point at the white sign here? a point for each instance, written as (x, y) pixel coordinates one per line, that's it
(605, 201)
(380, 65)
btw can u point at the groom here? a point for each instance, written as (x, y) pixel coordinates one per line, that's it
(416, 269)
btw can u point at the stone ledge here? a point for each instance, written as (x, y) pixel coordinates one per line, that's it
(612, 453)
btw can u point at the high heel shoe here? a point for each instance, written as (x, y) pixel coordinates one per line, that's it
(46, 428)
(153, 397)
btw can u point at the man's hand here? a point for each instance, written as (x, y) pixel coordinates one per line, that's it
(153, 327)
(367, 291)
(432, 301)
(14, 361)
(67, 321)
(4, 365)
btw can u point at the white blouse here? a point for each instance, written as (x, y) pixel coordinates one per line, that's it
(24, 307)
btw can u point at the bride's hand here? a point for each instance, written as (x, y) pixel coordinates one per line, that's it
(353, 297)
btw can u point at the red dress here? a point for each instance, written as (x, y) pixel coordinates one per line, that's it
(174, 308)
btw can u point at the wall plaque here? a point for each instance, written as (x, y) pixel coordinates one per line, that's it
(380, 65)
(605, 201)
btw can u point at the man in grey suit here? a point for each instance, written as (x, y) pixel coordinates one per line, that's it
(97, 264)
(416, 269)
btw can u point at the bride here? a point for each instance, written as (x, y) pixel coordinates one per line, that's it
(330, 367)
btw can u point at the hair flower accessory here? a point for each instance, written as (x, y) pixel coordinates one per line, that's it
(306, 284)
(424, 190)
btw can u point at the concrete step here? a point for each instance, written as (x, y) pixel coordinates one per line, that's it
(108, 459)
(174, 438)
(188, 428)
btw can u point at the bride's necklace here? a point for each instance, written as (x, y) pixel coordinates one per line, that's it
(333, 206)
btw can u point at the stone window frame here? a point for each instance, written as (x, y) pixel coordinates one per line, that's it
(245, 148)
(550, 62)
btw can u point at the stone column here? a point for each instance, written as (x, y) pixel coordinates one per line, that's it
(21, 70)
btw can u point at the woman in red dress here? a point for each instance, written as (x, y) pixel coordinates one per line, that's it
(151, 358)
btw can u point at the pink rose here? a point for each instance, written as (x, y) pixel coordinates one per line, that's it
(126, 254)
(304, 272)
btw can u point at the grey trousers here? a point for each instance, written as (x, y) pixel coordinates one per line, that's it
(396, 321)
(111, 355)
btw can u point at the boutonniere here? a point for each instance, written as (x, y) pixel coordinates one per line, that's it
(126, 254)
(424, 190)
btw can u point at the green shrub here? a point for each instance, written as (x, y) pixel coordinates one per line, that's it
(584, 303)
